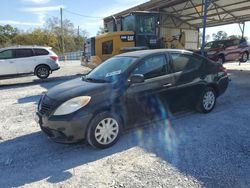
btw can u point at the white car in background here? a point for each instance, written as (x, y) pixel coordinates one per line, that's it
(41, 61)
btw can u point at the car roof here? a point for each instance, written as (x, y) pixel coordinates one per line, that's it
(224, 40)
(22, 47)
(144, 53)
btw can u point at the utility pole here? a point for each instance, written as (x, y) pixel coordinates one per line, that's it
(62, 34)
(78, 37)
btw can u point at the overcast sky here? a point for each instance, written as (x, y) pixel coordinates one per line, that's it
(29, 14)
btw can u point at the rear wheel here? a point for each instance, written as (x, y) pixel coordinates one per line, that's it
(207, 100)
(42, 71)
(244, 57)
(104, 130)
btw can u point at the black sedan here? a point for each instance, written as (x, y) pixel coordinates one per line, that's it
(127, 90)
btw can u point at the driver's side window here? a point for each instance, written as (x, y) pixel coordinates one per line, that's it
(152, 67)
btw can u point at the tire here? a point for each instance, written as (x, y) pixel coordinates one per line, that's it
(99, 139)
(207, 100)
(221, 59)
(244, 57)
(42, 71)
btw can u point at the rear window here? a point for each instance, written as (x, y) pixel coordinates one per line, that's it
(183, 62)
(39, 51)
(20, 53)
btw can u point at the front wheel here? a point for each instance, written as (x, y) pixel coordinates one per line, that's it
(42, 71)
(104, 130)
(221, 60)
(244, 57)
(207, 100)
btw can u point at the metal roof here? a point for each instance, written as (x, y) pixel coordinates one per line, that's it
(190, 12)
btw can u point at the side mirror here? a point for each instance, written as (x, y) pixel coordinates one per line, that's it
(136, 78)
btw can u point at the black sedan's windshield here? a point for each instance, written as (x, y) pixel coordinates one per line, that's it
(111, 69)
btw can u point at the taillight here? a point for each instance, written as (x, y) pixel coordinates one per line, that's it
(54, 57)
(223, 69)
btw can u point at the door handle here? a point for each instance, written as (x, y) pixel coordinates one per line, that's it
(167, 85)
(11, 61)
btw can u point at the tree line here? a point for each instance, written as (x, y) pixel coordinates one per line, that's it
(74, 38)
(49, 35)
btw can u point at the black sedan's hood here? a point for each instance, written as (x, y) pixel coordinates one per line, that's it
(75, 88)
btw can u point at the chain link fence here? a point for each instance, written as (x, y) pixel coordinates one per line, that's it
(70, 56)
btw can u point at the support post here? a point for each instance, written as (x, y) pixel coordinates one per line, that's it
(243, 30)
(204, 22)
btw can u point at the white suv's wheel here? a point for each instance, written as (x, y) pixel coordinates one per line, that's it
(207, 100)
(104, 130)
(42, 71)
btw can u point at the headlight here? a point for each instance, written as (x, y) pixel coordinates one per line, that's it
(72, 105)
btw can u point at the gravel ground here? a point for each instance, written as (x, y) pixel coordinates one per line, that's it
(188, 150)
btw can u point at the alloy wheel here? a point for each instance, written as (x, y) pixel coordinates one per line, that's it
(220, 60)
(244, 57)
(208, 100)
(43, 72)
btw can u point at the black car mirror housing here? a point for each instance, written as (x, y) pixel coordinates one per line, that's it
(136, 78)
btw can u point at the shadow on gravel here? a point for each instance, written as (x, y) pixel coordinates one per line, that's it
(7, 85)
(29, 99)
(205, 153)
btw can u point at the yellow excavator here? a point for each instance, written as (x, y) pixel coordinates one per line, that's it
(138, 32)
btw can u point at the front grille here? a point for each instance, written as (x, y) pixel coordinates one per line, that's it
(48, 131)
(45, 108)
(44, 105)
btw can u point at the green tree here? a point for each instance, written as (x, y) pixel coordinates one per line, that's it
(72, 41)
(50, 35)
(7, 33)
(237, 37)
(37, 37)
(220, 35)
(100, 31)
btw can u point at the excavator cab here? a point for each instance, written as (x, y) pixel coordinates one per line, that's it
(137, 32)
(144, 25)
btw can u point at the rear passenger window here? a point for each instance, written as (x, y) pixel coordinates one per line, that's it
(7, 54)
(20, 53)
(39, 52)
(152, 67)
(183, 62)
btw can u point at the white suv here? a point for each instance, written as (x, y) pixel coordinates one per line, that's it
(27, 60)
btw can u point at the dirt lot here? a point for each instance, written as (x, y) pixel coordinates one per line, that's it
(189, 150)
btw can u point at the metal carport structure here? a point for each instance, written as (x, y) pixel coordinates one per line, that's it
(196, 13)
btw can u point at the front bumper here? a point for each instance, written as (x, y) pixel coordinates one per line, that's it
(223, 84)
(57, 68)
(64, 129)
